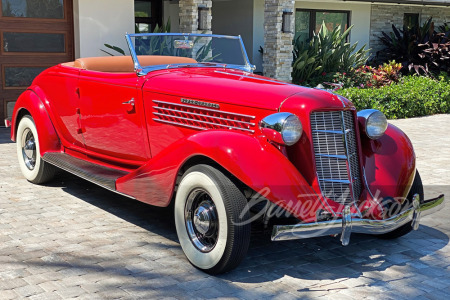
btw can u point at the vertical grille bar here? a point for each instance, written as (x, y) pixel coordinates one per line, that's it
(336, 154)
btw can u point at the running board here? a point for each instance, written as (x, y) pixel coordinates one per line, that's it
(100, 175)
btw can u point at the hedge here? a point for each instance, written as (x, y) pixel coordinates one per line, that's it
(413, 96)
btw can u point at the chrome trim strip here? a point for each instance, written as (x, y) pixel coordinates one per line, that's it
(200, 115)
(332, 156)
(366, 184)
(179, 124)
(335, 180)
(232, 37)
(204, 122)
(349, 167)
(329, 131)
(186, 125)
(358, 225)
(206, 109)
(248, 66)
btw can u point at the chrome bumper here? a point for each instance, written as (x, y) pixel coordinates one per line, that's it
(347, 224)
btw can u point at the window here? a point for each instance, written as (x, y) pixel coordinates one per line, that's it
(308, 21)
(147, 13)
(410, 21)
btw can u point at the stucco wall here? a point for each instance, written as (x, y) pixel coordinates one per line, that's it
(172, 10)
(359, 17)
(99, 22)
(234, 17)
(383, 16)
(258, 34)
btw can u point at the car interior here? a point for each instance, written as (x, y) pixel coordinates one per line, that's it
(124, 64)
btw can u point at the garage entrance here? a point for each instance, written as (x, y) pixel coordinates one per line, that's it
(34, 35)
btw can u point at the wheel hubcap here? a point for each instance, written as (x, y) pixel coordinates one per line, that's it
(29, 149)
(201, 220)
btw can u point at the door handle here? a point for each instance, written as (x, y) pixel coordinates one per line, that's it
(129, 104)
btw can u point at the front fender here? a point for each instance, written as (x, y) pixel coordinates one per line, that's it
(253, 161)
(48, 138)
(389, 164)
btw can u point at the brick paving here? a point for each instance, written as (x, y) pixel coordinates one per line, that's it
(72, 239)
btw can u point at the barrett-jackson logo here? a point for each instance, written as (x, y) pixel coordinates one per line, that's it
(200, 103)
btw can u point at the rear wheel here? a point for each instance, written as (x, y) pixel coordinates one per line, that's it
(33, 167)
(416, 188)
(211, 226)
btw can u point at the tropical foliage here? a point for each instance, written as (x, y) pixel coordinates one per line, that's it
(421, 49)
(366, 77)
(327, 52)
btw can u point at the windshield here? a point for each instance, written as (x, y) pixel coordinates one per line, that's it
(156, 50)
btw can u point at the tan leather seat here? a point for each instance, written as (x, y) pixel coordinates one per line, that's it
(124, 64)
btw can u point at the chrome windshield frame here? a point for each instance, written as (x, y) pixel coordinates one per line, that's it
(142, 71)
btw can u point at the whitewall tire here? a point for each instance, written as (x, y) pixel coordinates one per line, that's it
(33, 167)
(213, 231)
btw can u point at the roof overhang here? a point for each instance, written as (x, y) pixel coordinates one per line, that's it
(407, 2)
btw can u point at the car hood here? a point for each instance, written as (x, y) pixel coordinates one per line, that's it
(232, 87)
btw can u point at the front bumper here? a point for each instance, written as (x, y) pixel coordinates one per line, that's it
(347, 224)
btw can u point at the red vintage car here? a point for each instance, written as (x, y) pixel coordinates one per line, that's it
(183, 120)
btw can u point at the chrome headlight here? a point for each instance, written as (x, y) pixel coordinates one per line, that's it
(282, 128)
(374, 123)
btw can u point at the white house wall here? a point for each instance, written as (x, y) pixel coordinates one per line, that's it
(359, 17)
(99, 22)
(234, 17)
(258, 33)
(171, 10)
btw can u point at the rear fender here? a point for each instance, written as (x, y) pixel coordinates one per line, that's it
(31, 103)
(253, 161)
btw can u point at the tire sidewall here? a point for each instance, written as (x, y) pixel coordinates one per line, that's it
(190, 182)
(27, 123)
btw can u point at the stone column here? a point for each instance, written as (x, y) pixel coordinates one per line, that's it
(189, 15)
(277, 61)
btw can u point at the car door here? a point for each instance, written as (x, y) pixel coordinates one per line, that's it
(112, 117)
(61, 90)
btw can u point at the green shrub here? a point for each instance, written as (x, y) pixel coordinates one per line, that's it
(413, 96)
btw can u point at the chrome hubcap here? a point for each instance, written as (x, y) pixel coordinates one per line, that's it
(201, 220)
(29, 149)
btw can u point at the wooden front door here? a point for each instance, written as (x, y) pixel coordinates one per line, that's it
(34, 35)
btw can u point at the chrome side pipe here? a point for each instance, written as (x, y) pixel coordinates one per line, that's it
(347, 224)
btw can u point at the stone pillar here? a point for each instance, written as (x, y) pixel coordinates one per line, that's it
(189, 15)
(277, 60)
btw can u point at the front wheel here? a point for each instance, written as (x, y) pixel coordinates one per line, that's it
(33, 167)
(211, 220)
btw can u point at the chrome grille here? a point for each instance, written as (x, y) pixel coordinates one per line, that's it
(336, 155)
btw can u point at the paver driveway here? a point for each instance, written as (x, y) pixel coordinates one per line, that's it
(73, 239)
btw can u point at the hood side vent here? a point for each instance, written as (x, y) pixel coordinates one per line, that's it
(201, 118)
